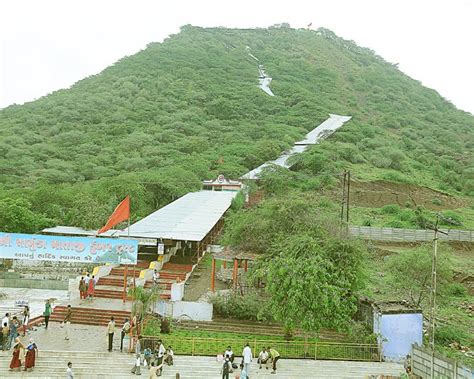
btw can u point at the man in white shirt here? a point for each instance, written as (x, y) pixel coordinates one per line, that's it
(161, 353)
(6, 319)
(86, 280)
(247, 358)
(69, 372)
(110, 332)
(156, 276)
(263, 358)
(229, 354)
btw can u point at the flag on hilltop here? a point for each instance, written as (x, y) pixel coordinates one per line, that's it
(121, 213)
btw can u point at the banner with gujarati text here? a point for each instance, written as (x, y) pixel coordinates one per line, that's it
(68, 249)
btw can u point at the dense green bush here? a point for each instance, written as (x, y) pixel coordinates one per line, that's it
(447, 334)
(189, 108)
(390, 209)
(248, 307)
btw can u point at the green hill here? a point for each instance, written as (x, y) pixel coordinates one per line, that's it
(156, 123)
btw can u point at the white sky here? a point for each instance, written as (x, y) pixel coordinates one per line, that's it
(46, 45)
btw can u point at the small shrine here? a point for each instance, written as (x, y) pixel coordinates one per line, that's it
(221, 183)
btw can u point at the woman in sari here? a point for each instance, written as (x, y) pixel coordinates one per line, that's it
(91, 287)
(15, 363)
(82, 288)
(31, 353)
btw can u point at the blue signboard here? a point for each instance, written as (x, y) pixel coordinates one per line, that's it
(68, 249)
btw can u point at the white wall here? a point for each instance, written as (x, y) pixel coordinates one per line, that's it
(197, 311)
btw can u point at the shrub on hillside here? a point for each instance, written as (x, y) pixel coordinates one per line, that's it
(247, 307)
(390, 209)
(448, 334)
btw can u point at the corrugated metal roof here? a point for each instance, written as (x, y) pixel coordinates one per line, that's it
(72, 230)
(325, 129)
(189, 218)
(322, 131)
(75, 231)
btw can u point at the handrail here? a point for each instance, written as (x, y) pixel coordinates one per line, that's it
(288, 349)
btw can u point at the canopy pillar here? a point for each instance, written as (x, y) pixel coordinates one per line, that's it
(235, 272)
(213, 275)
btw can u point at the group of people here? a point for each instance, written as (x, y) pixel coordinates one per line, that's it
(23, 356)
(11, 327)
(87, 286)
(265, 357)
(154, 359)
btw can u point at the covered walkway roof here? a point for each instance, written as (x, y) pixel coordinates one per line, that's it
(189, 218)
(319, 133)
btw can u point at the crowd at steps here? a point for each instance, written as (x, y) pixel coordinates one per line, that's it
(152, 358)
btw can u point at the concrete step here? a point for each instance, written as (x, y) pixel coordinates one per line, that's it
(130, 272)
(177, 267)
(91, 365)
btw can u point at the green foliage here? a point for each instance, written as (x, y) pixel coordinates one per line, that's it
(311, 282)
(390, 209)
(457, 289)
(249, 307)
(157, 123)
(410, 273)
(143, 300)
(449, 333)
(16, 216)
(310, 274)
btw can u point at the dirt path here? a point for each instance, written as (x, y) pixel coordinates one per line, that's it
(200, 281)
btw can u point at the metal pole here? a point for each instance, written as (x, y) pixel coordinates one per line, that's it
(347, 196)
(433, 298)
(343, 196)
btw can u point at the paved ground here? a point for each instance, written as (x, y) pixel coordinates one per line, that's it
(36, 298)
(82, 338)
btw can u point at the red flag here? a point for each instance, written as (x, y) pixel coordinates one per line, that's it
(121, 213)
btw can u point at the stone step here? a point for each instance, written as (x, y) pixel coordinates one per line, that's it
(90, 365)
(177, 267)
(121, 271)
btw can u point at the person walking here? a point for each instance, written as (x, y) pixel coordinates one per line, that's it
(6, 336)
(15, 363)
(160, 354)
(69, 372)
(125, 334)
(14, 324)
(31, 354)
(91, 288)
(82, 288)
(26, 319)
(226, 368)
(275, 356)
(67, 321)
(247, 358)
(46, 313)
(138, 356)
(110, 332)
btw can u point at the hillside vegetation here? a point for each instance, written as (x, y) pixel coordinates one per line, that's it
(155, 124)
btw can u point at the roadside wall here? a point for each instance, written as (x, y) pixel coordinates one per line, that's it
(443, 367)
(398, 332)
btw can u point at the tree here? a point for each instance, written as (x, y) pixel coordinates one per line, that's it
(311, 282)
(143, 300)
(311, 274)
(16, 216)
(410, 273)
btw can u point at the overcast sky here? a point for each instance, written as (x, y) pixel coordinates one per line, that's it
(47, 45)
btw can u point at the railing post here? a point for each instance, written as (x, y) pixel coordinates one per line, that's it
(316, 350)
(192, 348)
(255, 346)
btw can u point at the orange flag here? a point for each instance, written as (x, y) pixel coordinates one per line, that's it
(121, 213)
